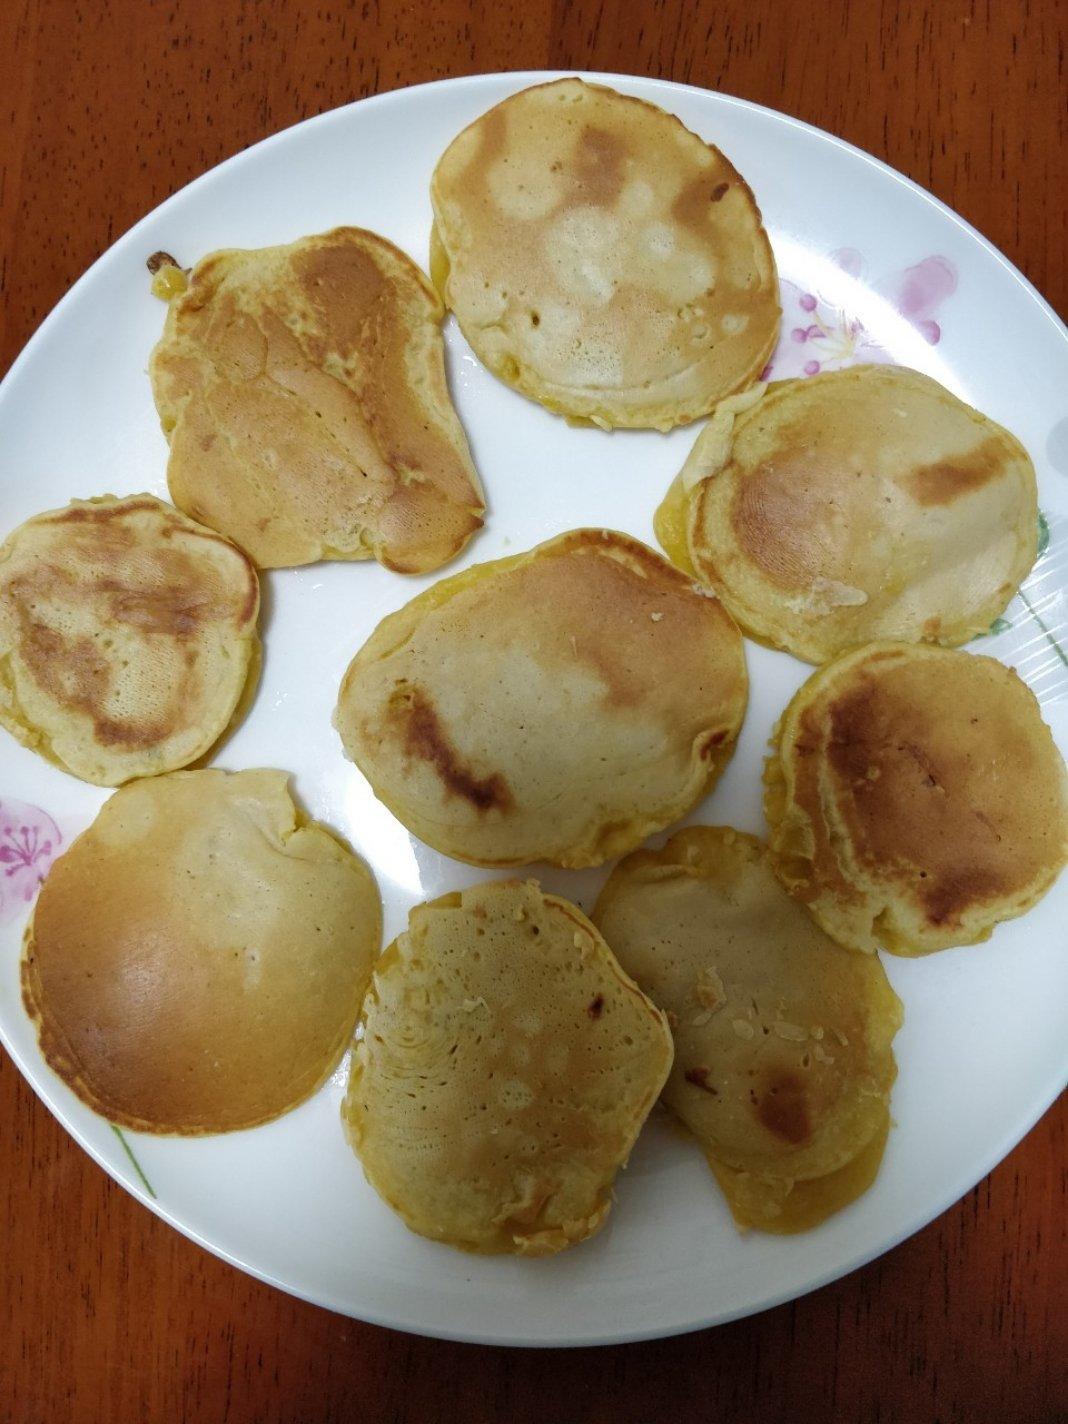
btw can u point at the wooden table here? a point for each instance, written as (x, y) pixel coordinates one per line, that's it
(107, 1314)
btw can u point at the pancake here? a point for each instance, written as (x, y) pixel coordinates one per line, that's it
(601, 258)
(127, 637)
(916, 798)
(860, 505)
(505, 1069)
(557, 705)
(783, 1060)
(303, 392)
(196, 960)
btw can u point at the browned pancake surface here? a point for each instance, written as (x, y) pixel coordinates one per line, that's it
(916, 798)
(197, 958)
(127, 636)
(560, 704)
(303, 392)
(603, 259)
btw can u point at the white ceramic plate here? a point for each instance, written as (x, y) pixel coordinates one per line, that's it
(872, 266)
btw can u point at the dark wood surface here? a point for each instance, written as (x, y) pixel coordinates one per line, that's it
(105, 1313)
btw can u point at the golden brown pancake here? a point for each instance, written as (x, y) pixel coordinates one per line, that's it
(127, 637)
(601, 258)
(916, 798)
(558, 705)
(783, 1060)
(302, 389)
(863, 504)
(196, 960)
(505, 1069)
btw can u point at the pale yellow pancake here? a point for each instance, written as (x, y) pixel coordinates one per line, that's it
(601, 258)
(197, 958)
(303, 392)
(862, 504)
(127, 637)
(557, 705)
(505, 1068)
(916, 798)
(783, 1060)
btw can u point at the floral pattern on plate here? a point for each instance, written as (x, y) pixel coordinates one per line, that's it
(818, 335)
(29, 843)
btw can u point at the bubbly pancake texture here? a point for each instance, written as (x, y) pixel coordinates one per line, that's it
(303, 392)
(783, 1060)
(505, 1069)
(916, 798)
(863, 504)
(603, 259)
(127, 637)
(197, 958)
(558, 705)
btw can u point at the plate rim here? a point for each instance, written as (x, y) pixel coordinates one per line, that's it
(36, 1074)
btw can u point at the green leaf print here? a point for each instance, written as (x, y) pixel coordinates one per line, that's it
(136, 1165)
(1043, 534)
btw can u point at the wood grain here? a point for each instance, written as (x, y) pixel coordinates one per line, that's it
(107, 1314)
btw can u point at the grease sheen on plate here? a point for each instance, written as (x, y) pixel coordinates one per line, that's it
(921, 289)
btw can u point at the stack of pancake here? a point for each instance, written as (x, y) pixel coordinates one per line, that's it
(783, 1060)
(202, 956)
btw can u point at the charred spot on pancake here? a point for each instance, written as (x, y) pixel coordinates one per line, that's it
(947, 895)
(855, 743)
(352, 297)
(691, 207)
(699, 1078)
(102, 512)
(782, 1107)
(599, 161)
(162, 259)
(946, 480)
(425, 738)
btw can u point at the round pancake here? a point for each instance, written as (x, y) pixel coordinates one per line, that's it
(303, 392)
(127, 637)
(783, 1061)
(916, 798)
(601, 258)
(558, 705)
(863, 504)
(505, 1069)
(196, 960)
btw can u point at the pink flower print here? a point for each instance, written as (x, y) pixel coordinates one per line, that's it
(29, 843)
(850, 261)
(919, 291)
(817, 336)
